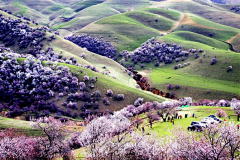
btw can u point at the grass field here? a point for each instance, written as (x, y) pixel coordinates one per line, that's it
(164, 128)
(19, 125)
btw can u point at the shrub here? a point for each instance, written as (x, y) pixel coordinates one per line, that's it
(213, 61)
(221, 113)
(177, 86)
(105, 101)
(169, 86)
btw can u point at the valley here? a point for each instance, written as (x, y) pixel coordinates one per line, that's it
(119, 79)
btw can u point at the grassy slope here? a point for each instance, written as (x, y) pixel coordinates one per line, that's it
(205, 10)
(104, 83)
(133, 28)
(88, 12)
(19, 125)
(78, 6)
(197, 78)
(148, 19)
(69, 49)
(190, 36)
(236, 43)
(221, 35)
(21, 8)
(165, 13)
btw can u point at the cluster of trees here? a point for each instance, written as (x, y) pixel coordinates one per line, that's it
(119, 122)
(215, 102)
(95, 45)
(235, 8)
(17, 32)
(153, 51)
(51, 145)
(216, 142)
(27, 86)
(235, 105)
(13, 30)
(113, 137)
(30, 87)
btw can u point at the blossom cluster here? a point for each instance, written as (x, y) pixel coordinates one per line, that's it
(153, 51)
(95, 45)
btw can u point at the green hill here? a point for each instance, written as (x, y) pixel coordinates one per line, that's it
(133, 28)
(197, 78)
(180, 36)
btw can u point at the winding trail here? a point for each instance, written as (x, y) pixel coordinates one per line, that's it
(233, 38)
(188, 21)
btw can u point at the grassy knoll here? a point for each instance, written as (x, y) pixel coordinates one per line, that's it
(129, 32)
(209, 23)
(164, 128)
(221, 35)
(191, 36)
(78, 6)
(55, 8)
(151, 20)
(173, 15)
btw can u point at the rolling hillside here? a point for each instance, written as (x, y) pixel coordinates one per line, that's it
(190, 31)
(135, 27)
(191, 23)
(121, 84)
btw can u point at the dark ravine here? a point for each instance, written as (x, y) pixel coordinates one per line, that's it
(231, 48)
(146, 87)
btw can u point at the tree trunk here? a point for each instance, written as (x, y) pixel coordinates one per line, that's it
(164, 119)
(238, 117)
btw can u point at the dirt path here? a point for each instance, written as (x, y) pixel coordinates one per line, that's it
(188, 21)
(232, 39)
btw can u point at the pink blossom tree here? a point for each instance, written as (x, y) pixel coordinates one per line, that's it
(221, 113)
(17, 146)
(129, 146)
(216, 142)
(152, 117)
(53, 143)
(235, 105)
(138, 121)
(165, 109)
